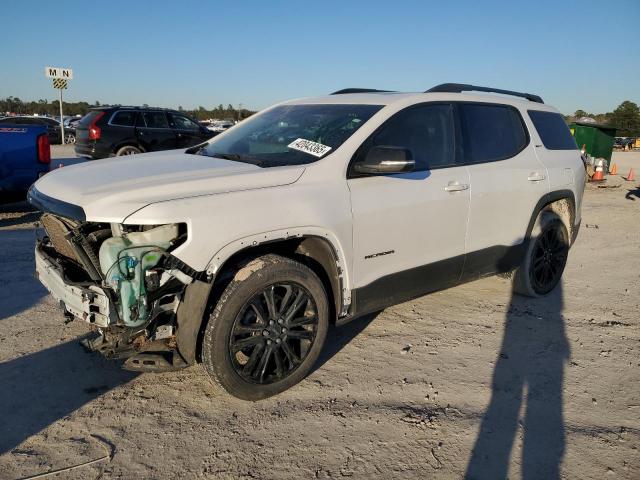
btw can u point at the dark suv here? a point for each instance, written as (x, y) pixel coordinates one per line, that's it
(114, 131)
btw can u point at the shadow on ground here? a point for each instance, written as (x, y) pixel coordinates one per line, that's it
(43, 387)
(19, 289)
(339, 337)
(633, 193)
(529, 372)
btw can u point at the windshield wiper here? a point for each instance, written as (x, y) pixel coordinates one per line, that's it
(236, 157)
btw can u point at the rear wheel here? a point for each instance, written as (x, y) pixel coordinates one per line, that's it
(545, 258)
(69, 138)
(128, 150)
(267, 329)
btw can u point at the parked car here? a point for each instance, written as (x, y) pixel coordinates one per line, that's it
(240, 252)
(221, 126)
(70, 129)
(116, 131)
(624, 143)
(25, 156)
(52, 125)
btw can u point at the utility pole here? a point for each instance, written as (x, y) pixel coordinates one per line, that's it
(61, 118)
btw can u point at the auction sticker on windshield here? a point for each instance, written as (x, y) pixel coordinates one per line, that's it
(307, 146)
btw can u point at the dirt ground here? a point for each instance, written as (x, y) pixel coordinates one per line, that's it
(469, 381)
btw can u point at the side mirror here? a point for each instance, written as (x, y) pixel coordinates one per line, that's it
(383, 160)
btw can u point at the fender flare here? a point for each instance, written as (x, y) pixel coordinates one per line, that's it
(546, 200)
(223, 254)
(191, 310)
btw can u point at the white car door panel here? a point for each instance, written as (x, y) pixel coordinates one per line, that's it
(409, 229)
(507, 181)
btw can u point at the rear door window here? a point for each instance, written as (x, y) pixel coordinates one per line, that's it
(427, 130)
(491, 132)
(124, 119)
(553, 130)
(155, 119)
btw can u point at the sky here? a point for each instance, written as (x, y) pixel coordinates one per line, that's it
(575, 54)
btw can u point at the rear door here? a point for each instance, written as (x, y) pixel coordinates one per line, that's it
(154, 132)
(188, 132)
(507, 181)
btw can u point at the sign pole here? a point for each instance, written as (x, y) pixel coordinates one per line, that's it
(61, 119)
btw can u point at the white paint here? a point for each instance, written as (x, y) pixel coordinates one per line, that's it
(228, 205)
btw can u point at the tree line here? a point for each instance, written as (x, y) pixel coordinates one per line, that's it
(15, 105)
(626, 119)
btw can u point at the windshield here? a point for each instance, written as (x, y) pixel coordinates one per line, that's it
(290, 134)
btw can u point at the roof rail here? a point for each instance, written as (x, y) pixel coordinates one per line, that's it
(463, 87)
(359, 90)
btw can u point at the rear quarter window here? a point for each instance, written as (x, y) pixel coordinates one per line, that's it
(89, 117)
(553, 130)
(491, 132)
(124, 119)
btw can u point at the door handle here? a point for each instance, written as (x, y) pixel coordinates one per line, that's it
(456, 187)
(535, 177)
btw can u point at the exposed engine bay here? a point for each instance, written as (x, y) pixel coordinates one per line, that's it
(121, 279)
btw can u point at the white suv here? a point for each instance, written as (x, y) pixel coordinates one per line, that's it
(241, 251)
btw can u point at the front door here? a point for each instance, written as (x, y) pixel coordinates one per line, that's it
(409, 229)
(154, 132)
(188, 133)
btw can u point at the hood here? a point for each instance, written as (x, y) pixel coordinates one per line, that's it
(109, 190)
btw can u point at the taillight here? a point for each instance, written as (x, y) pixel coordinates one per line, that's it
(44, 149)
(94, 130)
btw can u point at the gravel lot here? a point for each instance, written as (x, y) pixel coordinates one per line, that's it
(466, 380)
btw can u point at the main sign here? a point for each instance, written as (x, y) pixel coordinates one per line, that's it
(56, 72)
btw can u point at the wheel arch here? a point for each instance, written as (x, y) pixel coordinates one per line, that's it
(129, 142)
(560, 202)
(314, 249)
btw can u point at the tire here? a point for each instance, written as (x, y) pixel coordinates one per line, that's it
(255, 347)
(545, 258)
(70, 138)
(128, 150)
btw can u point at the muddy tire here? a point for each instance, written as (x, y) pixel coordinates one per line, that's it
(545, 258)
(267, 329)
(128, 150)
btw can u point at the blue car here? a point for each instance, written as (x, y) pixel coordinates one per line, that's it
(25, 155)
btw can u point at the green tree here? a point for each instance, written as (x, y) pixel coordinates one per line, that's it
(626, 119)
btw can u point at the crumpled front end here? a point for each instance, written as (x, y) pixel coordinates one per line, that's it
(123, 281)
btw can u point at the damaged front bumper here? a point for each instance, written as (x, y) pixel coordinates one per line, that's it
(132, 298)
(89, 303)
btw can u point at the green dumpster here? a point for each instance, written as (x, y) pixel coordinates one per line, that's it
(598, 139)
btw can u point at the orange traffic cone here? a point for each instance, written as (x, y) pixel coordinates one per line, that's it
(597, 176)
(631, 176)
(614, 169)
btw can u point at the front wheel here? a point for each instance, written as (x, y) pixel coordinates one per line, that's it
(545, 259)
(267, 329)
(70, 138)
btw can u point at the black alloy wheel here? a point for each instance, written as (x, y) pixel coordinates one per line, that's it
(549, 257)
(273, 333)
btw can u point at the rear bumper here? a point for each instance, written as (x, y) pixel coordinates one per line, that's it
(90, 304)
(90, 150)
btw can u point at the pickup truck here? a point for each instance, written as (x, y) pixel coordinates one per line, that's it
(25, 156)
